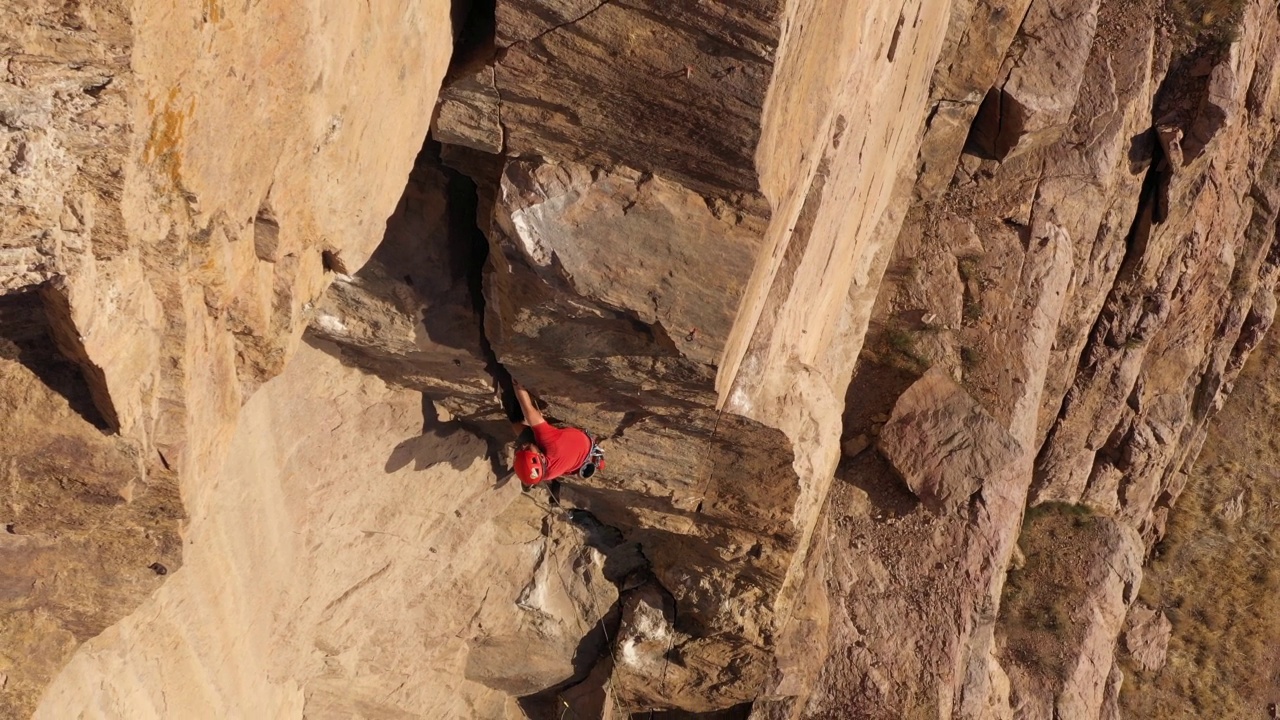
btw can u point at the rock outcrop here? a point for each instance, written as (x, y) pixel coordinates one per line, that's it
(1147, 637)
(1093, 282)
(171, 178)
(87, 534)
(655, 281)
(345, 577)
(900, 324)
(943, 444)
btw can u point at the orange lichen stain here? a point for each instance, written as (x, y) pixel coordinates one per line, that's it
(167, 133)
(212, 11)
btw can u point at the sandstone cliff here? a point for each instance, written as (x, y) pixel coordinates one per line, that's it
(902, 325)
(171, 178)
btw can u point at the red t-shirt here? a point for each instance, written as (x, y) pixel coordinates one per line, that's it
(566, 449)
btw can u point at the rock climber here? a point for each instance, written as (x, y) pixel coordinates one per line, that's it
(545, 452)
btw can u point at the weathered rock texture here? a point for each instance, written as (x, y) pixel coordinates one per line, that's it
(411, 314)
(943, 444)
(1043, 232)
(170, 178)
(1093, 271)
(334, 575)
(673, 265)
(86, 531)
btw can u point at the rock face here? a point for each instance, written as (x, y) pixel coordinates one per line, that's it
(943, 444)
(634, 82)
(1095, 297)
(653, 279)
(170, 180)
(411, 314)
(1023, 247)
(1147, 638)
(351, 582)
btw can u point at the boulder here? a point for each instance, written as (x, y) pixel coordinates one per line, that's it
(554, 633)
(943, 443)
(1146, 638)
(467, 115)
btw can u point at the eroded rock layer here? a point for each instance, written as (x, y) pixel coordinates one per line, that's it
(1093, 274)
(900, 324)
(171, 179)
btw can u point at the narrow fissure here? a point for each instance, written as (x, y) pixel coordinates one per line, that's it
(464, 206)
(625, 563)
(474, 25)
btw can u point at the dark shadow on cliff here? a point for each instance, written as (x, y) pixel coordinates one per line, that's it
(446, 441)
(25, 336)
(875, 388)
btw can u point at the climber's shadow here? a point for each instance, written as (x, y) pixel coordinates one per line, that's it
(455, 442)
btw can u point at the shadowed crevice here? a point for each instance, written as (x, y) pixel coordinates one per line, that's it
(27, 335)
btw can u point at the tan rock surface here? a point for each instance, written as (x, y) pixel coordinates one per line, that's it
(1036, 95)
(320, 577)
(1147, 637)
(699, 221)
(659, 329)
(943, 444)
(170, 179)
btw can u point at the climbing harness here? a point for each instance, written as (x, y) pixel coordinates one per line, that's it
(594, 461)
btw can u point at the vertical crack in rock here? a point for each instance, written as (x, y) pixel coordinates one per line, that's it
(469, 110)
(414, 314)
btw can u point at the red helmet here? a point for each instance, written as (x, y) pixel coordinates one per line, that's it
(530, 466)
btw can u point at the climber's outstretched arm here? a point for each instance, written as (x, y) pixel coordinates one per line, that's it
(532, 416)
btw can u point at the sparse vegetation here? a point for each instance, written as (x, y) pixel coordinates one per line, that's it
(972, 310)
(1058, 541)
(1215, 575)
(903, 343)
(1226, 630)
(967, 268)
(1214, 21)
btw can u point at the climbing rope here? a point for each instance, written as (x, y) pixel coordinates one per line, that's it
(613, 652)
(710, 471)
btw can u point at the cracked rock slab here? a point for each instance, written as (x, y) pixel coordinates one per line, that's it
(1147, 638)
(943, 443)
